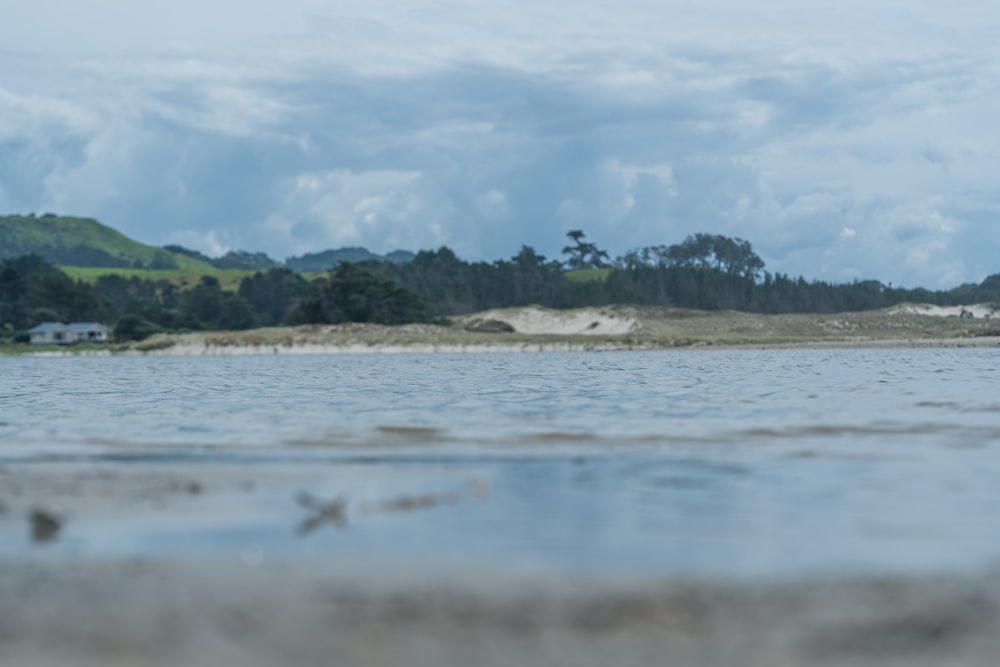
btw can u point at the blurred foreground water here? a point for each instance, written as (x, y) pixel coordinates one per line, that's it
(743, 463)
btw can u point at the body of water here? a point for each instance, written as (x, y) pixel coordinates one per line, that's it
(741, 463)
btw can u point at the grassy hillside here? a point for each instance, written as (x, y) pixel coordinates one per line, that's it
(229, 279)
(84, 242)
(587, 275)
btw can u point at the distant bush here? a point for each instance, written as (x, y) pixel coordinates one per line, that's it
(134, 327)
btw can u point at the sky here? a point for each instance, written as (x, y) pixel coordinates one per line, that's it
(849, 140)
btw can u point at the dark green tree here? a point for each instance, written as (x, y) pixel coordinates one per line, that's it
(203, 302)
(527, 278)
(272, 293)
(351, 294)
(707, 251)
(207, 306)
(584, 255)
(135, 327)
(33, 291)
(123, 295)
(235, 313)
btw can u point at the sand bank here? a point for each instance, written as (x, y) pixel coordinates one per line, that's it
(536, 329)
(199, 349)
(974, 311)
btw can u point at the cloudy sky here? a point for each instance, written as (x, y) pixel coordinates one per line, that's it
(843, 140)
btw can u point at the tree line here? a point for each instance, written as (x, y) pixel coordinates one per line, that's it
(709, 272)
(704, 271)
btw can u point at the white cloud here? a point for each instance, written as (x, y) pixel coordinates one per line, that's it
(844, 141)
(492, 205)
(206, 242)
(341, 208)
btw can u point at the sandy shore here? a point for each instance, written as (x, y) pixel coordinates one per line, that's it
(535, 329)
(251, 608)
(149, 613)
(198, 347)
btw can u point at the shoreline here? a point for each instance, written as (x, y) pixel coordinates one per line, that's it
(186, 347)
(611, 328)
(556, 347)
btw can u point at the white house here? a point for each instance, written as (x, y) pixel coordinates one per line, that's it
(51, 333)
(91, 332)
(57, 333)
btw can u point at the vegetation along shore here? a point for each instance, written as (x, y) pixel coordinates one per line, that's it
(704, 290)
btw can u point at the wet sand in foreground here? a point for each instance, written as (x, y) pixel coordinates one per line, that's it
(149, 612)
(252, 608)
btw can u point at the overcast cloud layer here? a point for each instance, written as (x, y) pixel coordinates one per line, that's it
(844, 140)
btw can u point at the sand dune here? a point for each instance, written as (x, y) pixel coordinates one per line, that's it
(535, 320)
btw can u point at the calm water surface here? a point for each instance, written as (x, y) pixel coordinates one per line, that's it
(708, 462)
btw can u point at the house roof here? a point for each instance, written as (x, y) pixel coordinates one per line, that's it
(47, 326)
(76, 327)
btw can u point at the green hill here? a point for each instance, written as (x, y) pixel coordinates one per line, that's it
(84, 242)
(328, 259)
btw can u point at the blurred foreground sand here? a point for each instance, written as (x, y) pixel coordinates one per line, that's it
(249, 608)
(152, 612)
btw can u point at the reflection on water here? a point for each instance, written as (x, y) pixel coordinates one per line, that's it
(722, 462)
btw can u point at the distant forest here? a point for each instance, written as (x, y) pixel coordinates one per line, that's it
(704, 271)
